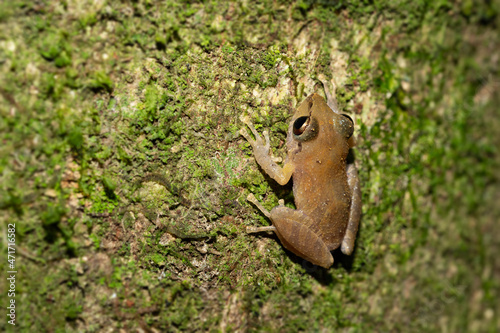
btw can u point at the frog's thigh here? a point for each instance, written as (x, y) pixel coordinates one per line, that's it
(292, 230)
(355, 211)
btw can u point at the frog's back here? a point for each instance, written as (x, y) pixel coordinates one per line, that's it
(324, 196)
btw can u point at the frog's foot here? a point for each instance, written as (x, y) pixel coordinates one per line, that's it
(330, 93)
(254, 200)
(295, 235)
(258, 143)
(262, 152)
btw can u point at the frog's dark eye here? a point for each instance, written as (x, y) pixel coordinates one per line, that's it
(300, 125)
(305, 128)
(347, 126)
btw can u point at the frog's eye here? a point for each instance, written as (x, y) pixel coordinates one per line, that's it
(300, 125)
(305, 128)
(347, 116)
(347, 126)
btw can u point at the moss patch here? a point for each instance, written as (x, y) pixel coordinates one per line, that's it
(122, 167)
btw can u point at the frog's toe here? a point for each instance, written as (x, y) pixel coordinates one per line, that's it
(266, 139)
(244, 133)
(245, 119)
(256, 202)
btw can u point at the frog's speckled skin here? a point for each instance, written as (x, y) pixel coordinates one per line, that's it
(326, 188)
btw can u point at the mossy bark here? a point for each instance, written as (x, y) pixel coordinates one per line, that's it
(122, 167)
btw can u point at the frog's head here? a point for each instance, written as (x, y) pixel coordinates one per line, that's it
(314, 116)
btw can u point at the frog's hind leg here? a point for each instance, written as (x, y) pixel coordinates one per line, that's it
(295, 235)
(291, 227)
(355, 211)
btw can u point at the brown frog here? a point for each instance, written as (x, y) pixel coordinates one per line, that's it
(325, 187)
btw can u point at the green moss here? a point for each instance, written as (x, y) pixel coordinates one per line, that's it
(100, 97)
(100, 81)
(54, 47)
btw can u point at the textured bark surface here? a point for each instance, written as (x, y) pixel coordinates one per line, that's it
(122, 167)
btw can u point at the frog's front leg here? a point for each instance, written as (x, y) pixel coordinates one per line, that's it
(355, 211)
(291, 227)
(261, 150)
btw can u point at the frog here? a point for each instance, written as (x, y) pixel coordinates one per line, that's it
(326, 188)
